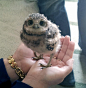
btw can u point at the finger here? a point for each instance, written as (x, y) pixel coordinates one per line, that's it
(70, 49)
(65, 43)
(62, 39)
(69, 52)
(64, 47)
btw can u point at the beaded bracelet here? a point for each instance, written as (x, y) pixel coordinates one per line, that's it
(13, 64)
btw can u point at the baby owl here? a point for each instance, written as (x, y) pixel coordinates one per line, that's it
(40, 35)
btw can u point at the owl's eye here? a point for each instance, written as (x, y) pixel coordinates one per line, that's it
(30, 22)
(43, 23)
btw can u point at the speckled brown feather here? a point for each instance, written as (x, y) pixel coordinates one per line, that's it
(40, 34)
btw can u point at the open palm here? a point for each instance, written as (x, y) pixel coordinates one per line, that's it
(62, 65)
(65, 53)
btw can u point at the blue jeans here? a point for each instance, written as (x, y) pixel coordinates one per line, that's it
(55, 11)
(82, 24)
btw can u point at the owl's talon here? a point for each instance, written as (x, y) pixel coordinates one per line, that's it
(35, 58)
(45, 66)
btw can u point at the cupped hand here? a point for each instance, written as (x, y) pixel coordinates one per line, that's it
(44, 78)
(23, 56)
(64, 54)
(62, 65)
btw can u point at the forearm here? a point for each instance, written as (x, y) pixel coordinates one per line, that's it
(8, 75)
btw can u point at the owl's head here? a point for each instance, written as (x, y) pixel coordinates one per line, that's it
(35, 23)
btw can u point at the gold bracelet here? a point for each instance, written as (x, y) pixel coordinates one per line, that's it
(13, 64)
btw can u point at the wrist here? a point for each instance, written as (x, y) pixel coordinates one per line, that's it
(10, 71)
(33, 82)
(20, 62)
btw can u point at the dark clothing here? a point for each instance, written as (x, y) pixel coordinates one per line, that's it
(5, 80)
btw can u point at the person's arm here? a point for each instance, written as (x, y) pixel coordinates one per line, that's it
(23, 59)
(8, 75)
(4, 78)
(62, 65)
(10, 71)
(19, 84)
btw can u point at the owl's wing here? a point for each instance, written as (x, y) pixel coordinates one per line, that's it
(52, 37)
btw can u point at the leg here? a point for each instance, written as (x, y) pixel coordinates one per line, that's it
(48, 65)
(38, 57)
(82, 24)
(55, 11)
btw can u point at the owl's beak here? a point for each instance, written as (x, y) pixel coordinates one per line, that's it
(35, 26)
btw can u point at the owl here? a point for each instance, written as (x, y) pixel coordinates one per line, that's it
(41, 35)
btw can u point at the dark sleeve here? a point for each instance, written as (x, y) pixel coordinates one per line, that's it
(4, 78)
(19, 84)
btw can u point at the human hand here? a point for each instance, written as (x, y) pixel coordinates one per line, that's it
(23, 56)
(64, 54)
(44, 78)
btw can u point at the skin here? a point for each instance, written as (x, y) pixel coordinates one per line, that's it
(37, 77)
